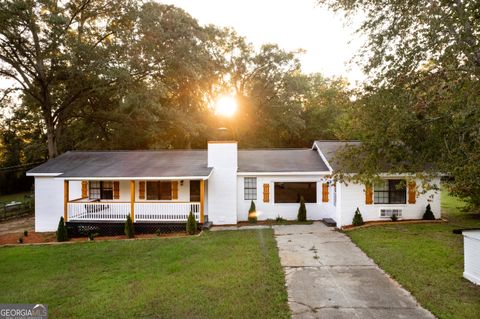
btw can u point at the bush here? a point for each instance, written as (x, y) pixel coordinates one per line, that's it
(62, 233)
(280, 219)
(20, 240)
(191, 224)
(394, 217)
(129, 229)
(357, 218)
(302, 211)
(25, 233)
(428, 215)
(252, 213)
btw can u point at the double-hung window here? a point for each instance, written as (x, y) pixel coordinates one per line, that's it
(390, 191)
(250, 188)
(157, 190)
(292, 192)
(100, 190)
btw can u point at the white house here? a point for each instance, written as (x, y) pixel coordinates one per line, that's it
(471, 247)
(217, 185)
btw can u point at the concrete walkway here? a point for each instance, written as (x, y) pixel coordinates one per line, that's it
(329, 277)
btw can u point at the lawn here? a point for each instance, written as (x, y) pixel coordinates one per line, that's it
(230, 274)
(427, 259)
(17, 197)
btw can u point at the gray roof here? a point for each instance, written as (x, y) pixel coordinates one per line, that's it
(171, 163)
(167, 163)
(330, 149)
(280, 160)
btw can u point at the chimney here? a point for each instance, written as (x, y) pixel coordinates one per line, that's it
(222, 184)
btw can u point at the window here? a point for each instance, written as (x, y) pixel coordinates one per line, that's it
(194, 191)
(291, 192)
(390, 212)
(391, 191)
(250, 188)
(101, 190)
(159, 190)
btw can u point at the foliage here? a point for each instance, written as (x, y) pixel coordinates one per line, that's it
(280, 219)
(302, 211)
(428, 215)
(62, 232)
(129, 227)
(191, 224)
(20, 240)
(357, 218)
(252, 213)
(394, 217)
(25, 233)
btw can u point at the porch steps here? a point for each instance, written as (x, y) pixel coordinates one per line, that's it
(329, 222)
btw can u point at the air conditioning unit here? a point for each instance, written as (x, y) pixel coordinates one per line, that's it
(388, 212)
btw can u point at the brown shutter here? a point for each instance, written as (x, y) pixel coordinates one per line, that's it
(368, 194)
(266, 193)
(84, 189)
(141, 190)
(175, 190)
(116, 190)
(412, 192)
(325, 192)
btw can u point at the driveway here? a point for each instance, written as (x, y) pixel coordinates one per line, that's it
(329, 277)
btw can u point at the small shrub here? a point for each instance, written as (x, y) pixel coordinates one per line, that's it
(62, 233)
(25, 233)
(129, 229)
(92, 235)
(357, 218)
(394, 217)
(252, 213)
(428, 215)
(302, 211)
(158, 232)
(280, 219)
(191, 224)
(20, 240)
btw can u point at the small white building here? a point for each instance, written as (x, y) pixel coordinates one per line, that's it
(218, 185)
(471, 246)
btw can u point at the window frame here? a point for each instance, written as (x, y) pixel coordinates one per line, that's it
(159, 191)
(390, 194)
(307, 200)
(102, 190)
(250, 190)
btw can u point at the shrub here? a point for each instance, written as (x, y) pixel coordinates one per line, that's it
(62, 233)
(394, 217)
(129, 229)
(20, 240)
(428, 215)
(302, 211)
(92, 235)
(25, 233)
(280, 219)
(252, 213)
(357, 218)
(191, 224)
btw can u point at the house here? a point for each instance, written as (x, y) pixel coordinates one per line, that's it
(217, 185)
(471, 249)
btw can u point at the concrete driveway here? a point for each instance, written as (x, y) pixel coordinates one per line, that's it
(329, 277)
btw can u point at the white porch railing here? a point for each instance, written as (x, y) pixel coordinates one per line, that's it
(98, 210)
(144, 211)
(166, 212)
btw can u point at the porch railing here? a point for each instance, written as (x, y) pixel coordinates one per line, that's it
(143, 211)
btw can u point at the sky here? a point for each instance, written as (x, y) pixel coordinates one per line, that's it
(329, 41)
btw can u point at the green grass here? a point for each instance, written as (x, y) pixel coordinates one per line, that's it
(231, 274)
(427, 259)
(18, 197)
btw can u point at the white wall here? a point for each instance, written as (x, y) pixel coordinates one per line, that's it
(49, 201)
(272, 210)
(222, 184)
(472, 255)
(351, 196)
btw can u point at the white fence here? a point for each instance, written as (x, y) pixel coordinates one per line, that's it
(144, 211)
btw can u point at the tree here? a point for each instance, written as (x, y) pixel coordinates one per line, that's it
(129, 228)
(191, 224)
(302, 211)
(428, 215)
(252, 213)
(357, 218)
(62, 233)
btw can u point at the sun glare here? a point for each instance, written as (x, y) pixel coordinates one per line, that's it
(226, 106)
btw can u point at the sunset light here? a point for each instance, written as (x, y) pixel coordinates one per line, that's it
(226, 106)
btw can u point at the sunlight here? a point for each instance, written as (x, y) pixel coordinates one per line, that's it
(226, 106)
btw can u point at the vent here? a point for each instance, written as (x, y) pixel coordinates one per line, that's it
(388, 212)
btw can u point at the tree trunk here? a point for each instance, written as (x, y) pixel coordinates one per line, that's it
(51, 141)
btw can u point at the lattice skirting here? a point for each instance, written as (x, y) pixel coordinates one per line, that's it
(81, 229)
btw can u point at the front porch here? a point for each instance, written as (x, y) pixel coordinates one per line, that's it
(149, 201)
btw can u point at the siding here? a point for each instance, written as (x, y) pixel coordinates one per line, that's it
(472, 256)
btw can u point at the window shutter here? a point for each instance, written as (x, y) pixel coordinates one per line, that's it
(84, 189)
(141, 190)
(116, 190)
(175, 190)
(368, 194)
(412, 192)
(266, 193)
(325, 192)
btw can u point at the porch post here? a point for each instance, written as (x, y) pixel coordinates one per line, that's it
(65, 200)
(202, 200)
(132, 200)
